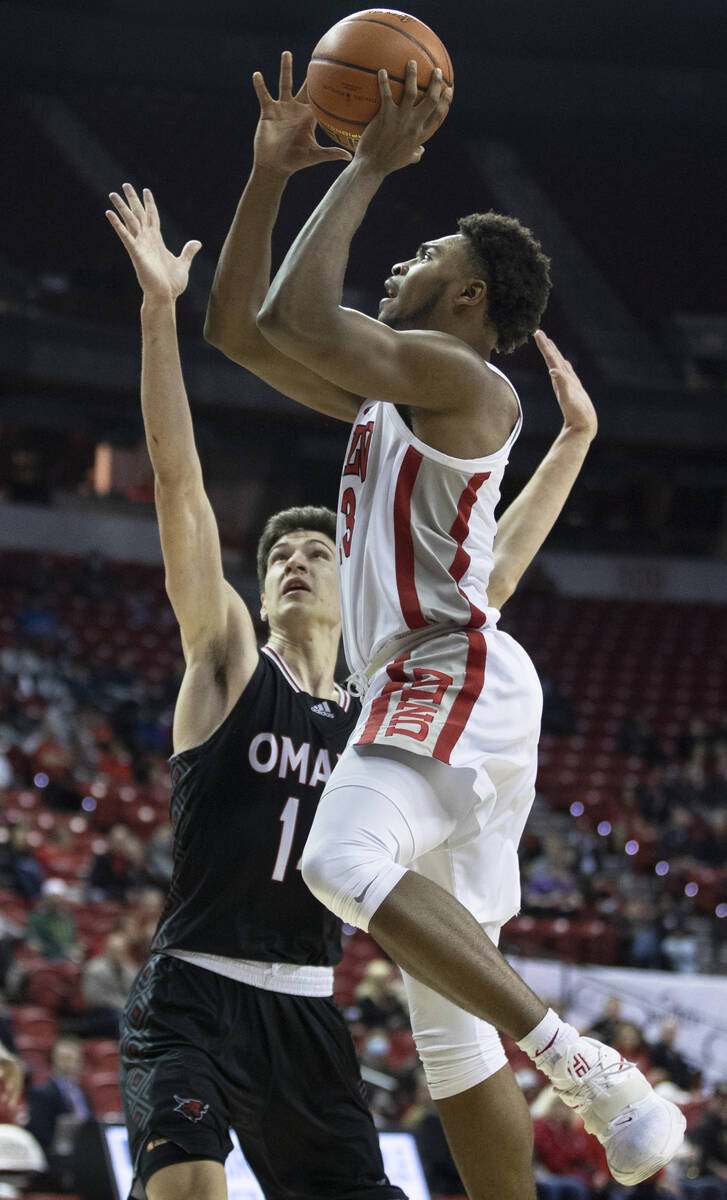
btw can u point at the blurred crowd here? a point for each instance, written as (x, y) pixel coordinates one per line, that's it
(89, 668)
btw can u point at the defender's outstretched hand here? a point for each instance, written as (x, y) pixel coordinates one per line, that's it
(579, 415)
(161, 275)
(393, 139)
(285, 138)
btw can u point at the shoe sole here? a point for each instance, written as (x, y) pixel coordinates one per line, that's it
(657, 1161)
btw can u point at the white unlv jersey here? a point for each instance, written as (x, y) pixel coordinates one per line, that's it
(415, 535)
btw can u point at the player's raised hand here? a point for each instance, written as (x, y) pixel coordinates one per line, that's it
(161, 275)
(579, 415)
(285, 138)
(393, 139)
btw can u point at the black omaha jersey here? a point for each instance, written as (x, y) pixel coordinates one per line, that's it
(242, 805)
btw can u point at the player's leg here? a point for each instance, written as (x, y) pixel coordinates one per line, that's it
(490, 1134)
(174, 1091)
(375, 820)
(315, 1138)
(188, 1181)
(484, 1114)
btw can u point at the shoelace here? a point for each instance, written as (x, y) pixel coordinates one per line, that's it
(572, 1094)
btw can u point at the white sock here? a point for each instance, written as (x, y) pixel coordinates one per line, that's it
(547, 1042)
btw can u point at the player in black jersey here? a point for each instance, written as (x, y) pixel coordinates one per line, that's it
(231, 1022)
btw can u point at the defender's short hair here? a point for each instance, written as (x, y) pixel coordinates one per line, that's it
(306, 516)
(516, 271)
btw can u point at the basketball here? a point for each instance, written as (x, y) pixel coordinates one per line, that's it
(342, 79)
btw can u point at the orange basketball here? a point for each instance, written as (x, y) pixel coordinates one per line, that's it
(342, 79)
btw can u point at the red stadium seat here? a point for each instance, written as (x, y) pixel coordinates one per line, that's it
(103, 1088)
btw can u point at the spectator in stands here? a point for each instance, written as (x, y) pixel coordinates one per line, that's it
(51, 928)
(116, 870)
(664, 1055)
(380, 997)
(643, 931)
(11, 1079)
(679, 949)
(605, 1027)
(565, 1150)
(139, 924)
(158, 859)
(60, 1094)
(632, 1044)
(19, 867)
(550, 885)
(105, 982)
(710, 1136)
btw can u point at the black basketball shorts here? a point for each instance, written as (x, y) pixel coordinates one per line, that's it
(201, 1054)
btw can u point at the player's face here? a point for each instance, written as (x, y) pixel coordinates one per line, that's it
(417, 288)
(301, 579)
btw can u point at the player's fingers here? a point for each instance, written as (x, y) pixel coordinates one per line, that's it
(126, 237)
(285, 82)
(409, 95)
(385, 87)
(434, 91)
(417, 155)
(152, 211)
(330, 153)
(189, 251)
(134, 202)
(124, 212)
(261, 91)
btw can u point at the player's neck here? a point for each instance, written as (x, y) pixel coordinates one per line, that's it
(311, 656)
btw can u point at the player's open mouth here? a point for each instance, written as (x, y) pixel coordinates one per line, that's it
(295, 585)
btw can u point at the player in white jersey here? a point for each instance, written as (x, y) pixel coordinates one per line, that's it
(416, 832)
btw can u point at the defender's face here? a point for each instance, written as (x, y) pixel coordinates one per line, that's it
(301, 578)
(415, 287)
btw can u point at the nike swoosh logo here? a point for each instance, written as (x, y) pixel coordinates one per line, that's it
(358, 899)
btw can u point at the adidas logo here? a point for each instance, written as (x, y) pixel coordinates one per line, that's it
(323, 709)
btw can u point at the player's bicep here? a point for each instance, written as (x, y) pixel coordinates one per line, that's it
(417, 368)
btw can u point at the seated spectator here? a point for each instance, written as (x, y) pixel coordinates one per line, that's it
(665, 1056)
(710, 1136)
(60, 1094)
(116, 870)
(140, 923)
(105, 982)
(19, 867)
(550, 885)
(51, 928)
(604, 1028)
(11, 1076)
(564, 1149)
(380, 997)
(630, 1042)
(158, 857)
(423, 1121)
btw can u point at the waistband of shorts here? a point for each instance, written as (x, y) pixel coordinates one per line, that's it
(358, 681)
(290, 978)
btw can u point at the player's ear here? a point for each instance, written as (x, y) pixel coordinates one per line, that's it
(472, 293)
(263, 610)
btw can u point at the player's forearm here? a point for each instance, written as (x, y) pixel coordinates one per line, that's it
(164, 403)
(242, 277)
(526, 523)
(305, 296)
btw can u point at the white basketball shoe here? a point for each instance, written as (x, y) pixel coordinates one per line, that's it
(639, 1130)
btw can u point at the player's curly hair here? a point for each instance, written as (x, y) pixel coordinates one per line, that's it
(305, 516)
(516, 272)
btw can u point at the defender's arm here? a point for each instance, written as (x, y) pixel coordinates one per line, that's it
(526, 523)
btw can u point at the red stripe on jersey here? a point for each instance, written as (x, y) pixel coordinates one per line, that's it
(282, 664)
(380, 706)
(403, 543)
(474, 680)
(459, 532)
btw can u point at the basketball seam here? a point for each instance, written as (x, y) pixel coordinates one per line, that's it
(338, 117)
(339, 62)
(408, 36)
